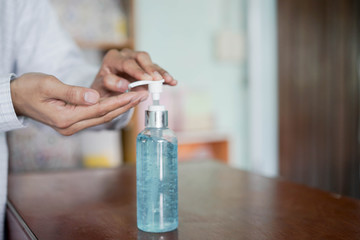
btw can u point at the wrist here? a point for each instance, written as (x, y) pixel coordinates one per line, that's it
(15, 96)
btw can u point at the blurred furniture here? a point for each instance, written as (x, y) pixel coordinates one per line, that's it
(215, 202)
(319, 44)
(99, 25)
(203, 144)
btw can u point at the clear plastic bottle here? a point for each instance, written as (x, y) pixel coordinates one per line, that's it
(156, 174)
(156, 167)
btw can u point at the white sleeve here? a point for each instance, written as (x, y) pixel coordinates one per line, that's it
(8, 119)
(43, 46)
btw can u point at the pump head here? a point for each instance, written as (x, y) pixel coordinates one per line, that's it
(155, 88)
(156, 115)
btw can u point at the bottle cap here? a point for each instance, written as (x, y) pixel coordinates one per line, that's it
(156, 116)
(156, 119)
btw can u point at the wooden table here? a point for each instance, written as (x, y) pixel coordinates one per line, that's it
(215, 202)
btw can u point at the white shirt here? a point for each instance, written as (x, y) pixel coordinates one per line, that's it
(31, 40)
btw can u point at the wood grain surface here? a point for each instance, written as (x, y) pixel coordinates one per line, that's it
(215, 202)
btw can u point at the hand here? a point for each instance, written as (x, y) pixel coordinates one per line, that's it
(119, 68)
(67, 109)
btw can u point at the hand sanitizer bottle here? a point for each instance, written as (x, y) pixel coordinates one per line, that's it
(156, 168)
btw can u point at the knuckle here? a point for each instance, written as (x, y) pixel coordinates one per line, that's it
(150, 68)
(128, 64)
(66, 132)
(71, 93)
(61, 131)
(107, 81)
(112, 52)
(141, 55)
(110, 55)
(59, 124)
(159, 69)
(101, 111)
(62, 122)
(162, 71)
(104, 78)
(49, 79)
(46, 83)
(110, 81)
(126, 51)
(44, 87)
(56, 122)
(106, 118)
(133, 104)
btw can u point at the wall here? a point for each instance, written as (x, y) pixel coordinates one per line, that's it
(181, 36)
(319, 93)
(263, 121)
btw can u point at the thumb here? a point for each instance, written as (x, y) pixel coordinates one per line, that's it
(77, 95)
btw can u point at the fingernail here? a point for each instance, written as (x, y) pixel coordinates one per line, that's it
(157, 75)
(175, 82)
(147, 77)
(168, 76)
(91, 97)
(119, 84)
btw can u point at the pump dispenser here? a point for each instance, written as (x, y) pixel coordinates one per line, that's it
(156, 167)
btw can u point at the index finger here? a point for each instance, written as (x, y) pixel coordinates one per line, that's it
(78, 113)
(80, 125)
(124, 62)
(158, 73)
(131, 67)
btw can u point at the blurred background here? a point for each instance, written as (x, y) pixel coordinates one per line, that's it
(266, 86)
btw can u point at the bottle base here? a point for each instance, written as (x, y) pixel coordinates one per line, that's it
(151, 229)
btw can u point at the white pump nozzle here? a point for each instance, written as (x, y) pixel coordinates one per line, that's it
(155, 88)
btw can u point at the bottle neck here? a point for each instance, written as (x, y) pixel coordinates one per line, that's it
(156, 119)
